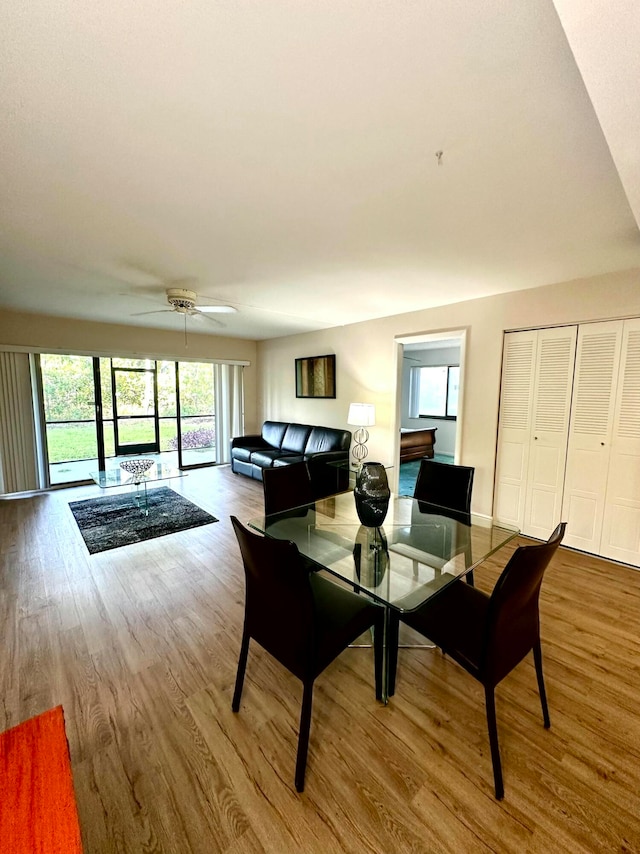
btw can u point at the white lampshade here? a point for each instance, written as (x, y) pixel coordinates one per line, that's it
(361, 414)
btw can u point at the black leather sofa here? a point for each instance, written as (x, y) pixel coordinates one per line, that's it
(281, 443)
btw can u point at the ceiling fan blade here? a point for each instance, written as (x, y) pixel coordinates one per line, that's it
(216, 309)
(196, 311)
(159, 311)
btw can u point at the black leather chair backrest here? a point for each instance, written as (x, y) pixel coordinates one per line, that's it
(513, 621)
(445, 485)
(286, 487)
(279, 600)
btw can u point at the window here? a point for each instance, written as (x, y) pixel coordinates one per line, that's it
(434, 391)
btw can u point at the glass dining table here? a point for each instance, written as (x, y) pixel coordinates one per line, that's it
(418, 551)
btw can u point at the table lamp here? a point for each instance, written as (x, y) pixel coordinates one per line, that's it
(361, 415)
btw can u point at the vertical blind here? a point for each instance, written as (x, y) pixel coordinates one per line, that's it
(229, 396)
(18, 467)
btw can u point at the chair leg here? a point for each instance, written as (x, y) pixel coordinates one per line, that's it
(490, 703)
(537, 657)
(378, 653)
(470, 579)
(303, 735)
(391, 652)
(242, 666)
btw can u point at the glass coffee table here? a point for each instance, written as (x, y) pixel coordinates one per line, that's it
(108, 478)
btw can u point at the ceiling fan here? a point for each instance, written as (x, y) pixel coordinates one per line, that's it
(185, 301)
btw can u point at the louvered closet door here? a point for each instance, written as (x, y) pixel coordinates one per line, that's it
(597, 362)
(553, 381)
(621, 524)
(514, 430)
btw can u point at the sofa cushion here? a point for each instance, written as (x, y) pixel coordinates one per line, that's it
(240, 453)
(243, 467)
(273, 432)
(287, 459)
(295, 438)
(323, 439)
(265, 457)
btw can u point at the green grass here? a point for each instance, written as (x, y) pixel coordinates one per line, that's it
(68, 442)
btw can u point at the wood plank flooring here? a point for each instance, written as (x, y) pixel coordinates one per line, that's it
(140, 646)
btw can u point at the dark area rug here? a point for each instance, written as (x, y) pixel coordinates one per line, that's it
(116, 520)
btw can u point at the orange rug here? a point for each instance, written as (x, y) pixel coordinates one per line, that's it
(38, 812)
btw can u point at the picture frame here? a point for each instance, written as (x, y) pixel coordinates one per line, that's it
(316, 376)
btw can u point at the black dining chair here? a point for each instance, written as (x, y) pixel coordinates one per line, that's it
(444, 485)
(302, 619)
(286, 487)
(489, 635)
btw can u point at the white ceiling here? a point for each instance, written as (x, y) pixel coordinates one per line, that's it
(283, 154)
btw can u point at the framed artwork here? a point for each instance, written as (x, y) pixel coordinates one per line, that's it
(316, 376)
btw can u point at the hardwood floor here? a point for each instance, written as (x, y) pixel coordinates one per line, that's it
(140, 646)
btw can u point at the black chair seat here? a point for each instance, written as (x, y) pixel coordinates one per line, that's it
(465, 604)
(341, 617)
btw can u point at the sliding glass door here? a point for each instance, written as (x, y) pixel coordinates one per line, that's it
(71, 425)
(97, 410)
(196, 422)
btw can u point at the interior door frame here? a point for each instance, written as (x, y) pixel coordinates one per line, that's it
(457, 335)
(142, 447)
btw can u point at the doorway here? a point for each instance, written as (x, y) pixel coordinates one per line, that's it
(430, 395)
(136, 427)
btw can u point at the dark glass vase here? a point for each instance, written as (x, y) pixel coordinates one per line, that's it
(371, 556)
(372, 494)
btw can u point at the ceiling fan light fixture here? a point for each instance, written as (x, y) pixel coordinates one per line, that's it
(181, 299)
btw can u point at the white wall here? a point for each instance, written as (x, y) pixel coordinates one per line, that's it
(367, 362)
(446, 435)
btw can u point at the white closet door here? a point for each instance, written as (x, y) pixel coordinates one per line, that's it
(514, 430)
(621, 524)
(597, 361)
(553, 383)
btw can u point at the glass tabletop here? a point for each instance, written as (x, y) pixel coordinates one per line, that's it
(120, 477)
(416, 552)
